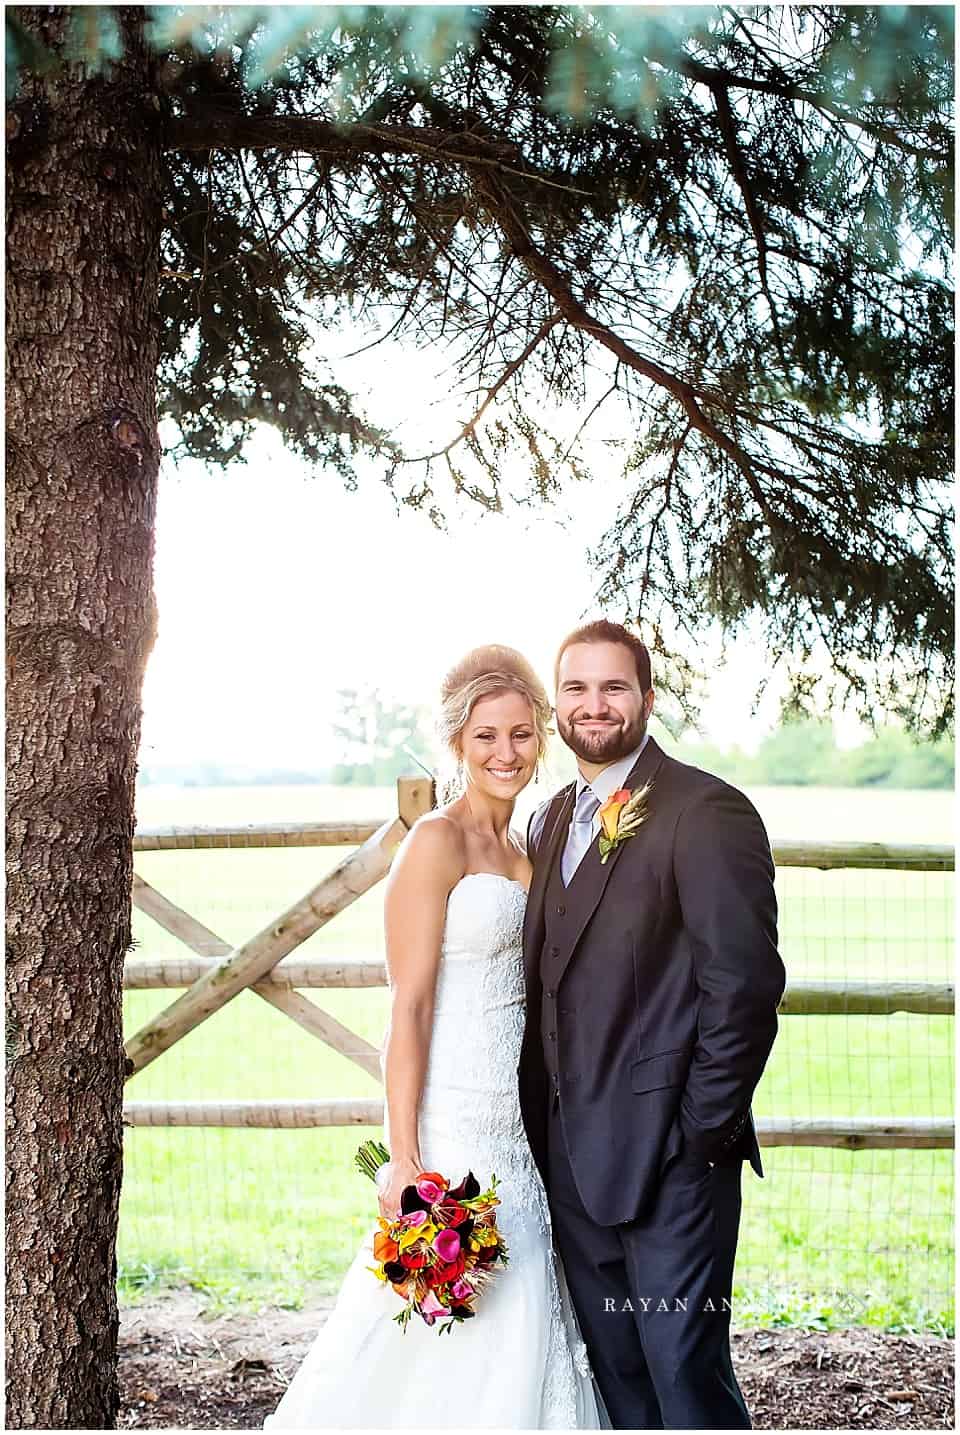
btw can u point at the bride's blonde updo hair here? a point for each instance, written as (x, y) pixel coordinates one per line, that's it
(483, 673)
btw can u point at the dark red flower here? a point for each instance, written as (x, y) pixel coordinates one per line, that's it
(452, 1270)
(449, 1213)
(410, 1200)
(468, 1188)
(414, 1260)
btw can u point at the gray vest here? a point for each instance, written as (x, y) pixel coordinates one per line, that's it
(557, 909)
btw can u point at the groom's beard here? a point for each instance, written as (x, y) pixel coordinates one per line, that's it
(603, 745)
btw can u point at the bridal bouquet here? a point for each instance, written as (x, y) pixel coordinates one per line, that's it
(442, 1247)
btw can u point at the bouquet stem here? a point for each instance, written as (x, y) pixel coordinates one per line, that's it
(370, 1157)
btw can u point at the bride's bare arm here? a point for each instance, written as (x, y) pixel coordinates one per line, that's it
(427, 866)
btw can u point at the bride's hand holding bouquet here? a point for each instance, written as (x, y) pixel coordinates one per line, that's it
(392, 1178)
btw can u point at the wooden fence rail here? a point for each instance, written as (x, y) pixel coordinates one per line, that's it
(910, 856)
(216, 972)
(850, 1133)
(269, 834)
(267, 1115)
(799, 999)
(150, 973)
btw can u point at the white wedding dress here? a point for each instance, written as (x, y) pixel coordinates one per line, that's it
(520, 1363)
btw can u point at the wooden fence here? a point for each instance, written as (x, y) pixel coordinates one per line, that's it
(216, 972)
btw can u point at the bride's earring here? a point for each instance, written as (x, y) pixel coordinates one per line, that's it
(461, 774)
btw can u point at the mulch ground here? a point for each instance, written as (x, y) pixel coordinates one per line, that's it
(181, 1370)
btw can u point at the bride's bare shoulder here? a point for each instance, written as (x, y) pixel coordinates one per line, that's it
(435, 844)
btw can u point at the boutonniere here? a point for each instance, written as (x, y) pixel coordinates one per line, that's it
(621, 816)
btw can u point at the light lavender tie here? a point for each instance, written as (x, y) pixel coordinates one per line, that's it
(580, 835)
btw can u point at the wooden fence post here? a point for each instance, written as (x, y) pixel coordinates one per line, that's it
(415, 796)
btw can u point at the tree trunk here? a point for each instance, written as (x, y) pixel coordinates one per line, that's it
(84, 212)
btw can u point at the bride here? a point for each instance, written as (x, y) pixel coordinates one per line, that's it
(454, 914)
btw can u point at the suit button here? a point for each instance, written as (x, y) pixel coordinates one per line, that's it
(554, 951)
(561, 911)
(552, 1035)
(551, 995)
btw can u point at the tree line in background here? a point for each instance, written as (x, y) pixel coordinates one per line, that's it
(381, 740)
(805, 754)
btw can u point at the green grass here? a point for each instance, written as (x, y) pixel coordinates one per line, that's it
(827, 1238)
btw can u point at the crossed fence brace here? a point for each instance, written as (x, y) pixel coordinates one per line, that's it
(226, 970)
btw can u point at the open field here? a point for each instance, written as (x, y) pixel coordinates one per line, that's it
(840, 812)
(828, 1236)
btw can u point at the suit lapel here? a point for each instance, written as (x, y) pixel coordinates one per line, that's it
(592, 876)
(554, 830)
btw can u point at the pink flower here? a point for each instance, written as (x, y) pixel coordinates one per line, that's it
(462, 1290)
(429, 1191)
(447, 1245)
(430, 1308)
(413, 1218)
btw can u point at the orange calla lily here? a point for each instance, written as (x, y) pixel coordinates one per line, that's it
(609, 813)
(384, 1249)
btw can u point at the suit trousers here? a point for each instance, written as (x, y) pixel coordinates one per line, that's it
(653, 1295)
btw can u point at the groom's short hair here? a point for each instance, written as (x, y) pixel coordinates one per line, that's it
(603, 631)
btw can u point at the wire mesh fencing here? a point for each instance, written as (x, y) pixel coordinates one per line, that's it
(844, 1233)
(860, 1234)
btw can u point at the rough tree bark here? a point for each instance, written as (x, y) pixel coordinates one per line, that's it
(83, 217)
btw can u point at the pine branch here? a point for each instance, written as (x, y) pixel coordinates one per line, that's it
(228, 131)
(558, 287)
(738, 169)
(469, 428)
(825, 104)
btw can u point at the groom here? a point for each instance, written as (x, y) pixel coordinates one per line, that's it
(652, 985)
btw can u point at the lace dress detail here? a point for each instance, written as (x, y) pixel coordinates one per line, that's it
(521, 1363)
(470, 1105)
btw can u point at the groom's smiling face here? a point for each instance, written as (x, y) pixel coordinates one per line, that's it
(601, 710)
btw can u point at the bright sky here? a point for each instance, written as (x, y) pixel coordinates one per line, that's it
(276, 588)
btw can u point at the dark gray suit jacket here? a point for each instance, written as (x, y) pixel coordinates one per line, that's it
(667, 987)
